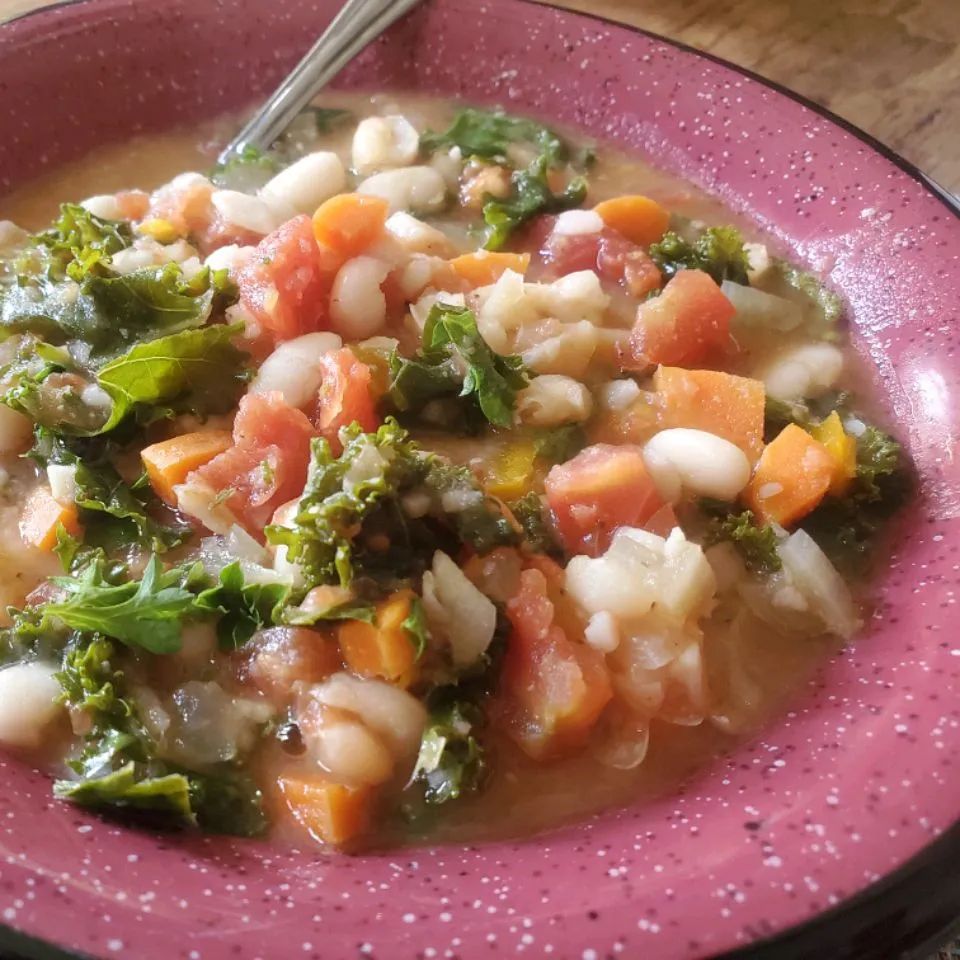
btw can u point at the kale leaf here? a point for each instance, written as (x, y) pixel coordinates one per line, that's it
(199, 370)
(814, 290)
(79, 244)
(489, 134)
(415, 625)
(718, 251)
(243, 607)
(455, 360)
(451, 762)
(756, 543)
(148, 613)
(529, 512)
(530, 195)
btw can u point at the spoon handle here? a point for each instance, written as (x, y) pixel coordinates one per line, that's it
(357, 23)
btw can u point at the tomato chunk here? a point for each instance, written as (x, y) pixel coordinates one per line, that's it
(286, 285)
(267, 464)
(346, 395)
(553, 687)
(687, 324)
(609, 253)
(600, 490)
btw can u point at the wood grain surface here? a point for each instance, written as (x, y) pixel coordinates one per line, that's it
(892, 67)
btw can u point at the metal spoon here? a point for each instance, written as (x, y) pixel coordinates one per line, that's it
(357, 24)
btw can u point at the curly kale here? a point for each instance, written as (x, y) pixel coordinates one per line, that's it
(718, 251)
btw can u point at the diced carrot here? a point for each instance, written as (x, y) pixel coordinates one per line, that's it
(792, 477)
(350, 223)
(484, 267)
(685, 326)
(638, 218)
(720, 403)
(383, 648)
(329, 812)
(601, 489)
(553, 686)
(42, 516)
(842, 448)
(168, 462)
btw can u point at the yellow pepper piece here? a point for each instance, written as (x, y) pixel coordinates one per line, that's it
(842, 449)
(163, 231)
(512, 471)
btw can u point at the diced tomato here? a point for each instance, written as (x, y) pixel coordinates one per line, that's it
(345, 396)
(554, 687)
(687, 324)
(184, 203)
(609, 253)
(277, 658)
(219, 233)
(600, 490)
(286, 285)
(267, 464)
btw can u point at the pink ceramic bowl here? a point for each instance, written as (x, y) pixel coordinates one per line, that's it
(832, 834)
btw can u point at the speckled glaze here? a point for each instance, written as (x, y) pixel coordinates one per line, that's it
(854, 780)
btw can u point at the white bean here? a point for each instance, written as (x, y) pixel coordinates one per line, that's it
(28, 695)
(553, 399)
(349, 751)
(304, 185)
(415, 236)
(15, 430)
(418, 189)
(230, 258)
(358, 308)
(383, 142)
(459, 610)
(391, 713)
(245, 211)
(805, 371)
(575, 223)
(293, 368)
(697, 462)
(104, 205)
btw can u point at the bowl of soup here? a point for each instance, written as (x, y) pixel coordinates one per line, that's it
(516, 507)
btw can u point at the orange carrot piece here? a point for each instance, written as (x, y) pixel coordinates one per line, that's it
(720, 403)
(638, 218)
(484, 267)
(383, 648)
(329, 812)
(42, 516)
(792, 477)
(169, 462)
(349, 223)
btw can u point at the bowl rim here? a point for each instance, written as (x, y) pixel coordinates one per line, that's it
(908, 912)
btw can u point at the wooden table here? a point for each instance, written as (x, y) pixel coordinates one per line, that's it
(892, 67)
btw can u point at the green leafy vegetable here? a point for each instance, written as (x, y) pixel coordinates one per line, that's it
(199, 369)
(530, 514)
(111, 312)
(530, 195)
(814, 290)
(79, 243)
(451, 761)
(455, 359)
(756, 543)
(718, 251)
(126, 788)
(148, 613)
(244, 607)
(416, 628)
(351, 520)
(489, 134)
(560, 444)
